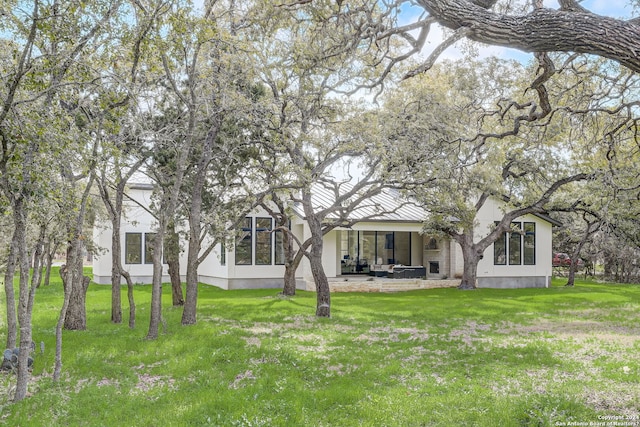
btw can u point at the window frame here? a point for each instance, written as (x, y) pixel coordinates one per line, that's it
(532, 249)
(263, 233)
(504, 245)
(515, 250)
(246, 240)
(146, 241)
(128, 246)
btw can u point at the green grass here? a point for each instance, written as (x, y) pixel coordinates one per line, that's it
(526, 357)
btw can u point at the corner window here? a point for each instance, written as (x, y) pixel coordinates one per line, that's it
(263, 241)
(244, 243)
(516, 247)
(133, 248)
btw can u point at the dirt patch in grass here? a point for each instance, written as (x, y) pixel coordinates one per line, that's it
(242, 379)
(614, 397)
(578, 331)
(388, 334)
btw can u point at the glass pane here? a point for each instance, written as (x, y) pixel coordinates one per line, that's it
(402, 242)
(500, 250)
(515, 239)
(384, 253)
(148, 247)
(243, 246)
(367, 251)
(263, 241)
(133, 248)
(279, 238)
(349, 251)
(530, 243)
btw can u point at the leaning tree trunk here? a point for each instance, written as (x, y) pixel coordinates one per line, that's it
(172, 253)
(323, 293)
(132, 303)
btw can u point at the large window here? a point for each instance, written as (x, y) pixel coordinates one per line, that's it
(133, 248)
(263, 241)
(244, 244)
(517, 246)
(361, 249)
(138, 248)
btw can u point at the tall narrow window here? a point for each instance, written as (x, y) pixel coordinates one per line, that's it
(223, 254)
(500, 250)
(280, 256)
(263, 241)
(148, 247)
(529, 244)
(133, 248)
(402, 247)
(515, 244)
(244, 243)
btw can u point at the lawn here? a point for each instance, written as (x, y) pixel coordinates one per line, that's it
(527, 357)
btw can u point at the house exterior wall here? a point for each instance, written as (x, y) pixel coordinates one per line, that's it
(228, 275)
(514, 276)
(249, 276)
(440, 254)
(135, 220)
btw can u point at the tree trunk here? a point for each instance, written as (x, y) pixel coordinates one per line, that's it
(195, 228)
(470, 270)
(591, 228)
(116, 277)
(39, 257)
(12, 317)
(25, 307)
(51, 251)
(77, 284)
(57, 367)
(156, 289)
(172, 254)
(290, 265)
(323, 302)
(289, 288)
(132, 303)
(190, 306)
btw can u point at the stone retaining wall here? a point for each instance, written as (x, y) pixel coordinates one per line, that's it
(378, 285)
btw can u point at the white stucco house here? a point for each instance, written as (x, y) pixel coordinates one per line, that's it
(390, 246)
